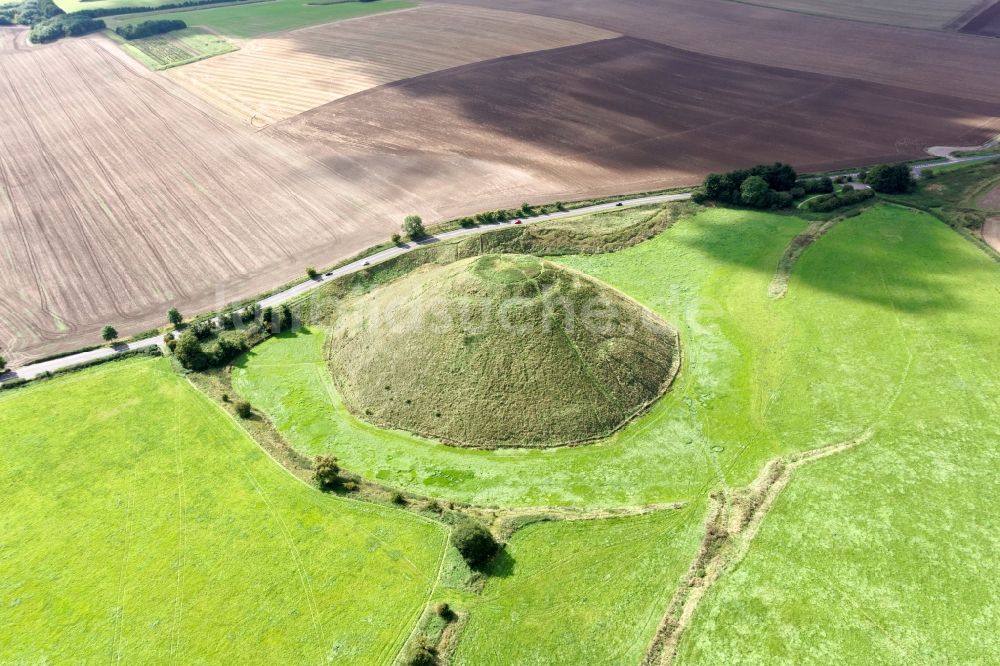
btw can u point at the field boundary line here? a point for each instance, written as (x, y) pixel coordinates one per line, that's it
(734, 519)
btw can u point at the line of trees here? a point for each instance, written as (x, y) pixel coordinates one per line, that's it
(149, 28)
(761, 186)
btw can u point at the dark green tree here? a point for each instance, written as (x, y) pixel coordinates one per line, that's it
(189, 352)
(413, 227)
(755, 192)
(109, 333)
(174, 317)
(890, 178)
(475, 543)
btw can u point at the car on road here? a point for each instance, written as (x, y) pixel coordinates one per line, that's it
(517, 221)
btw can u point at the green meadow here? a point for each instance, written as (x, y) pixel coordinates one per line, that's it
(888, 327)
(141, 524)
(245, 20)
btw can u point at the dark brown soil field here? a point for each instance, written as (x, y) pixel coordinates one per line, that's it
(119, 199)
(987, 23)
(939, 62)
(614, 116)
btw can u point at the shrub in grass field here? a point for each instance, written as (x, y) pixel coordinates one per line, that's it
(422, 654)
(326, 471)
(475, 543)
(244, 410)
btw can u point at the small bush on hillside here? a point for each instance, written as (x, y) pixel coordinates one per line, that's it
(174, 317)
(108, 333)
(443, 611)
(398, 499)
(475, 543)
(244, 410)
(396, 238)
(422, 654)
(326, 471)
(413, 227)
(3, 364)
(312, 273)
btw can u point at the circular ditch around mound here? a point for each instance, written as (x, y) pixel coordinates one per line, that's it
(501, 351)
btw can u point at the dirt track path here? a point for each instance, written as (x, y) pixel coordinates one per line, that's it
(991, 232)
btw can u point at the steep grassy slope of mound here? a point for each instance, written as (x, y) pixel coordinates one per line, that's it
(501, 351)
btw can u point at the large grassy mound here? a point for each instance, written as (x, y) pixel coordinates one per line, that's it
(501, 351)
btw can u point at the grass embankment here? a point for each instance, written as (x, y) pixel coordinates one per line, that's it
(176, 48)
(522, 352)
(879, 555)
(246, 20)
(141, 524)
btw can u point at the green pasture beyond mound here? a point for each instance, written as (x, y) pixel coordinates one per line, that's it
(876, 554)
(500, 350)
(141, 525)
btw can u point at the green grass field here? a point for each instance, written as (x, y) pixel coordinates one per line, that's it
(581, 592)
(247, 20)
(887, 327)
(141, 524)
(753, 384)
(885, 554)
(930, 14)
(175, 48)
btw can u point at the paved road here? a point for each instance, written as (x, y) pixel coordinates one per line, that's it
(33, 370)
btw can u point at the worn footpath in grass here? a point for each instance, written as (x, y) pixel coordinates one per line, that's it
(760, 377)
(885, 554)
(258, 18)
(141, 524)
(175, 48)
(581, 592)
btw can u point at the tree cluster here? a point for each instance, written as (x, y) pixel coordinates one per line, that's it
(762, 186)
(64, 25)
(194, 354)
(890, 178)
(149, 28)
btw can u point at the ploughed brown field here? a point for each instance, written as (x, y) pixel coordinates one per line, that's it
(123, 194)
(118, 199)
(615, 116)
(946, 63)
(279, 76)
(986, 23)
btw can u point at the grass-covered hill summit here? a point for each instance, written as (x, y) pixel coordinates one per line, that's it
(501, 351)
